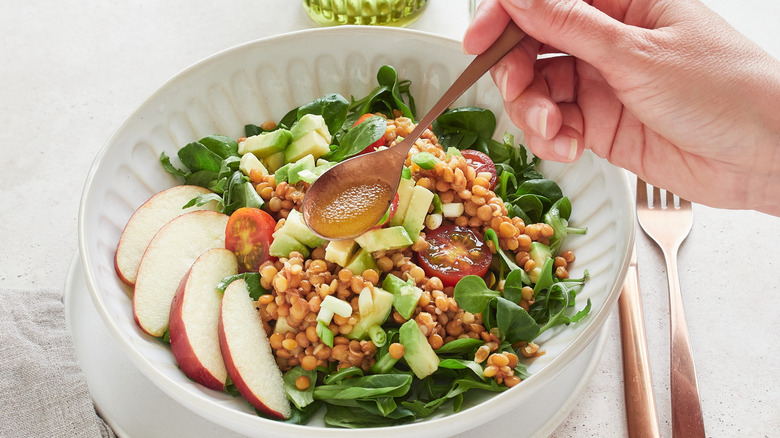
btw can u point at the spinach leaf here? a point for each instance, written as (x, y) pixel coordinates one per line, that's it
(196, 156)
(490, 234)
(472, 294)
(531, 207)
(557, 217)
(289, 119)
(460, 346)
(239, 192)
(380, 406)
(389, 95)
(224, 147)
(213, 162)
(252, 282)
(342, 374)
(460, 364)
(351, 417)
(332, 107)
(300, 398)
(514, 283)
(544, 188)
(456, 388)
(358, 138)
(545, 279)
(177, 173)
(465, 128)
(550, 306)
(514, 323)
(365, 387)
(302, 416)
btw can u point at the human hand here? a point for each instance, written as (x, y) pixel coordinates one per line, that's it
(664, 88)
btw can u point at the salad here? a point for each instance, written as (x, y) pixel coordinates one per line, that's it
(444, 296)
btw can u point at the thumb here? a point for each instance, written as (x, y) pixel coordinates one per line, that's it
(571, 26)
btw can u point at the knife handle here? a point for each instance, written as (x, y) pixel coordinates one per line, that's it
(638, 384)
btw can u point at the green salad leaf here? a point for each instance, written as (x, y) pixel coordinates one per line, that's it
(390, 94)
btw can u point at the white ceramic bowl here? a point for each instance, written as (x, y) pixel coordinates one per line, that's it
(264, 79)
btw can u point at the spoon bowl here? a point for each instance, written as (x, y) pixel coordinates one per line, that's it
(351, 197)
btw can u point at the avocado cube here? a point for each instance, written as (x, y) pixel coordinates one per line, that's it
(383, 304)
(418, 352)
(361, 262)
(283, 244)
(340, 252)
(310, 143)
(384, 239)
(305, 163)
(405, 190)
(414, 219)
(308, 123)
(281, 173)
(539, 253)
(296, 227)
(250, 162)
(273, 162)
(405, 295)
(266, 144)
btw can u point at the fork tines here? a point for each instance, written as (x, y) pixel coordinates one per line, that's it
(663, 197)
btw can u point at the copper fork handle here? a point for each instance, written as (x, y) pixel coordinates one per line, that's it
(687, 420)
(641, 411)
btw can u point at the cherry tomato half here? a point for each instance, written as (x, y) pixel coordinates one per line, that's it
(481, 163)
(373, 146)
(248, 234)
(454, 253)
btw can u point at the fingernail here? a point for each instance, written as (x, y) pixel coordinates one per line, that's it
(522, 4)
(565, 147)
(536, 118)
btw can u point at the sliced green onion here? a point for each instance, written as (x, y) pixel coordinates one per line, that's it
(425, 160)
(406, 173)
(365, 302)
(436, 203)
(325, 315)
(337, 306)
(384, 364)
(377, 335)
(324, 333)
(433, 221)
(453, 209)
(451, 151)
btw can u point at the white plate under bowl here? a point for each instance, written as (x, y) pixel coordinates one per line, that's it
(263, 80)
(134, 407)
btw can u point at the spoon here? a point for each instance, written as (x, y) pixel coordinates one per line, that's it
(352, 197)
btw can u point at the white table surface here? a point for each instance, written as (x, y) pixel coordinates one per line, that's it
(71, 71)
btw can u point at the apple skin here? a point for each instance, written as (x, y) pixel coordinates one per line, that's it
(146, 220)
(194, 319)
(166, 261)
(247, 352)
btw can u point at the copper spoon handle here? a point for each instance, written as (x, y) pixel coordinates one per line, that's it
(511, 36)
(638, 384)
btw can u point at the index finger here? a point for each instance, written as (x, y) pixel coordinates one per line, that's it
(489, 21)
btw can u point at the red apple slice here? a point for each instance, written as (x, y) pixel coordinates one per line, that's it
(194, 319)
(147, 220)
(167, 259)
(247, 353)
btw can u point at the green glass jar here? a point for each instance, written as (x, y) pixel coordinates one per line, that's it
(373, 12)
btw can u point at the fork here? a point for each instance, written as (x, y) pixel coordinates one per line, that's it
(668, 225)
